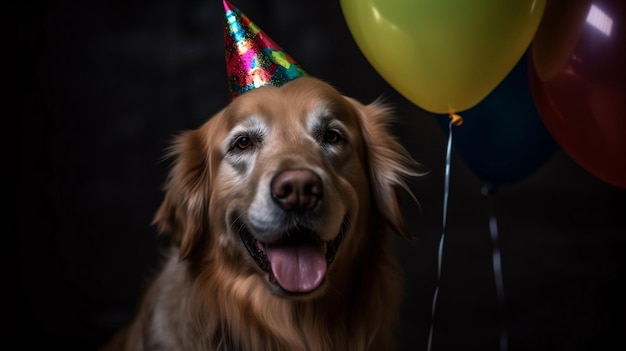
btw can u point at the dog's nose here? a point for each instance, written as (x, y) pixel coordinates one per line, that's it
(297, 190)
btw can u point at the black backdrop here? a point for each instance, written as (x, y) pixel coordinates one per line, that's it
(103, 85)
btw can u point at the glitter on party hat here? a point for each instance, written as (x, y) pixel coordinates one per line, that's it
(252, 58)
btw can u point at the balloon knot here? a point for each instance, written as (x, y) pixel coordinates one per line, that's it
(457, 120)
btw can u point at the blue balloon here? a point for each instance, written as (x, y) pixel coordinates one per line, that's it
(503, 139)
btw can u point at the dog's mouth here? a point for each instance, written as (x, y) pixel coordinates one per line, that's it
(296, 263)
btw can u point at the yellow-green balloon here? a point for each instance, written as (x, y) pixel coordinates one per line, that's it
(445, 56)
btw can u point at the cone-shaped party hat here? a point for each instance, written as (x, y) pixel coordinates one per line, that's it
(252, 58)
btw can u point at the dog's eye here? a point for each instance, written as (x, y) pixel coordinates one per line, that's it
(243, 142)
(332, 136)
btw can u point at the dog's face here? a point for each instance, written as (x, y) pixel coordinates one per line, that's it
(284, 184)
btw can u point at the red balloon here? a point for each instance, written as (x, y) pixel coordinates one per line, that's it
(577, 77)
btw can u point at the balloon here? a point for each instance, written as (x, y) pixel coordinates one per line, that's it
(503, 139)
(443, 55)
(578, 82)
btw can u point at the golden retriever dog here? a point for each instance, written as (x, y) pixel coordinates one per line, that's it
(280, 210)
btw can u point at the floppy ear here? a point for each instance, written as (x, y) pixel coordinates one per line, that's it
(389, 163)
(183, 213)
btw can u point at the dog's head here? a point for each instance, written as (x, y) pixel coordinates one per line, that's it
(283, 183)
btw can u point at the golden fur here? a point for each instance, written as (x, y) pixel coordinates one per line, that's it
(211, 294)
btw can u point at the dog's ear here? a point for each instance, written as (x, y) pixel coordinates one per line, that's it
(184, 210)
(389, 163)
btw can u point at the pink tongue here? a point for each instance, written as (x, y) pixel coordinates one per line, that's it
(297, 268)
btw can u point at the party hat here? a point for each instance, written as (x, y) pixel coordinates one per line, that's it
(253, 59)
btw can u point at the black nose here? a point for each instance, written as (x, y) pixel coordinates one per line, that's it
(297, 189)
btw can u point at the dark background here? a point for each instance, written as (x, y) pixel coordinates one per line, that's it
(102, 86)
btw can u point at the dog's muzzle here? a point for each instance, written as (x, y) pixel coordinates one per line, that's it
(297, 259)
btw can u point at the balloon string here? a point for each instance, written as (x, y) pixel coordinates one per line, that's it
(446, 193)
(488, 191)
